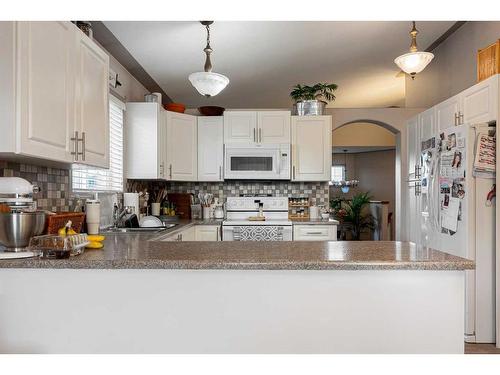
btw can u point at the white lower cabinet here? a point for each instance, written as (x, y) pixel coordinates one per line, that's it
(207, 233)
(304, 232)
(197, 233)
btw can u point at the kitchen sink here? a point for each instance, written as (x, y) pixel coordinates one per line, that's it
(138, 230)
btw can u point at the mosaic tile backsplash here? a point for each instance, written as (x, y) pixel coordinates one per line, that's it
(54, 183)
(318, 191)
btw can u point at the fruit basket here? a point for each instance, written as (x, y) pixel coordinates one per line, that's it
(58, 247)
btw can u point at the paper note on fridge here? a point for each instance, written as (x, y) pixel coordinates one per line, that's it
(449, 214)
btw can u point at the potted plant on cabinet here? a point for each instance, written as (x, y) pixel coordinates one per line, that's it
(310, 100)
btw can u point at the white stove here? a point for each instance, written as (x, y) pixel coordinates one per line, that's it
(239, 227)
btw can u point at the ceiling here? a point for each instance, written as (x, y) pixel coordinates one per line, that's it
(263, 60)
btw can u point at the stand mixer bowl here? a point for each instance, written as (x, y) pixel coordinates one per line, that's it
(16, 228)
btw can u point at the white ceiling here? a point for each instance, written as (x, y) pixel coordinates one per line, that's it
(263, 60)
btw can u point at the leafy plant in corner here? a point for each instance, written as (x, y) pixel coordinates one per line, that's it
(319, 91)
(356, 217)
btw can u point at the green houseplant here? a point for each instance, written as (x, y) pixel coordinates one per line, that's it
(310, 100)
(356, 215)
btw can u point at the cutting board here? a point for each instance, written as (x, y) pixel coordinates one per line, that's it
(182, 202)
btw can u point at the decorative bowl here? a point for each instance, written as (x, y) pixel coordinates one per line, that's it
(211, 110)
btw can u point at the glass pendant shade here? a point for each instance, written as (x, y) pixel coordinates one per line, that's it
(208, 83)
(413, 62)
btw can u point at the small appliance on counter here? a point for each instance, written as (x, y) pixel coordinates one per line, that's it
(93, 212)
(19, 219)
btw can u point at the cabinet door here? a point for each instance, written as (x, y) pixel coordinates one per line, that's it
(92, 102)
(182, 156)
(427, 125)
(273, 126)
(480, 102)
(315, 233)
(446, 113)
(207, 233)
(240, 126)
(413, 212)
(311, 148)
(46, 89)
(145, 141)
(210, 148)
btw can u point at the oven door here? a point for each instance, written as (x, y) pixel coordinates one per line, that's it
(257, 233)
(255, 162)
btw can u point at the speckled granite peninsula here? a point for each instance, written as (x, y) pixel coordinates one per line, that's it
(145, 294)
(142, 251)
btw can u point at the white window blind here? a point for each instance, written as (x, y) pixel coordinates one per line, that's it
(338, 173)
(85, 178)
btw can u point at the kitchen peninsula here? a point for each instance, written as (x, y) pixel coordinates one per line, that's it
(144, 295)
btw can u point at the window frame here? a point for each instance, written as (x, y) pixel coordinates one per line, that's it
(112, 99)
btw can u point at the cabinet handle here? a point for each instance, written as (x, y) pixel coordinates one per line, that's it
(260, 135)
(170, 171)
(456, 119)
(254, 137)
(315, 233)
(220, 172)
(293, 170)
(83, 146)
(460, 118)
(75, 146)
(162, 168)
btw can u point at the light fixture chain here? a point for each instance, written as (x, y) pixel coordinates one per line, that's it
(208, 51)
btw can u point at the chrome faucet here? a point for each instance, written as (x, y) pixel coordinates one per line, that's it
(118, 215)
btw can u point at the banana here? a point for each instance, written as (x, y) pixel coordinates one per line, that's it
(94, 245)
(95, 238)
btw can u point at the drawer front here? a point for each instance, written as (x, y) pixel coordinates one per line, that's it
(315, 233)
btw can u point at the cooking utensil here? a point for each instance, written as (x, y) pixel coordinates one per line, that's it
(16, 228)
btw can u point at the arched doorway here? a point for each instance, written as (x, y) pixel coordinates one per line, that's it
(370, 151)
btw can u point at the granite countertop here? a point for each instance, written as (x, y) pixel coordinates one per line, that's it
(145, 251)
(315, 222)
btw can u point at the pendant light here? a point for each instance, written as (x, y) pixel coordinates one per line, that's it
(208, 83)
(413, 62)
(345, 184)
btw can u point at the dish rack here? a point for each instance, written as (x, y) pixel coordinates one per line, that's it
(298, 208)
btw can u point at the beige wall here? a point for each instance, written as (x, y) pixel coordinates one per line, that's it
(454, 66)
(363, 134)
(131, 89)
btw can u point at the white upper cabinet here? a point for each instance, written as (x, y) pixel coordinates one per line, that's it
(210, 148)
(257, 127)
(92, 107)
(448, 113)
(480, 102)
(273, 126)
(311, 148)
(145, 141)
(54, 89)
(427, 124)
(182, 146)
(46, 82)
(240, 126)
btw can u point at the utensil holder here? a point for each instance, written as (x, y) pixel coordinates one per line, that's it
(155, 209)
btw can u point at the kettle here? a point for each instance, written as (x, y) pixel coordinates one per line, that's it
(219, 212)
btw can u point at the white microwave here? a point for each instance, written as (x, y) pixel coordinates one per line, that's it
(257, 161)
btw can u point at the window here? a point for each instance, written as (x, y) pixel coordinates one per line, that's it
(338, 173)
(85, 178)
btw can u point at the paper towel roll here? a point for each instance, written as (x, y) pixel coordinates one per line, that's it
(131, 200)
